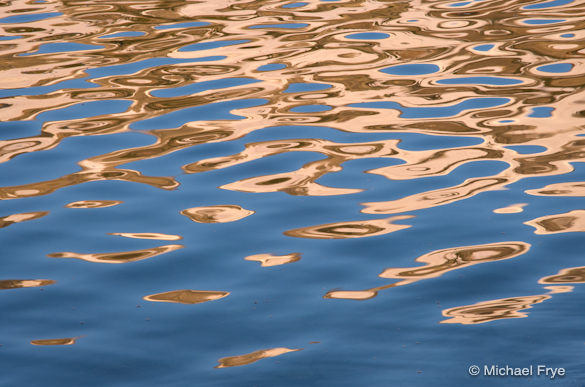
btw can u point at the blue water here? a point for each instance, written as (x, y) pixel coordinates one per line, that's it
(368, 36)
(26, 18)
(271, 67)
(301, 87)
(556, 68)
(324, 206)
(411, 69)
(295, 5)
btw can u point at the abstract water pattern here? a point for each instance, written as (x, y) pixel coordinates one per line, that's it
(382, 190)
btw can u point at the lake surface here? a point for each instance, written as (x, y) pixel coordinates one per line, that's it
(279, 193)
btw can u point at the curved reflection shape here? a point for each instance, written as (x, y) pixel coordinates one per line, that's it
(355, 229)
(121, 257)
(15, 284)
(216, 214)
(93, 204)
(572, 221)
(235, 361)
(440, 262)
(22, 217)
(267, 260)
(560, 189)
(511, 209)
(573, 275)
(148, 235)
(437, 263)
(186, 296)
(64, 341)
(487, 311)
(357, 295)
(469, 188)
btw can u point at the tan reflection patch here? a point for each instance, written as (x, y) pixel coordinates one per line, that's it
(187, 296)
(121, 257)
(267, 260)
(216, 214)
(235, 361)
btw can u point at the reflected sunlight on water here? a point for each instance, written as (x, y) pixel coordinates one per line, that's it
(369, 137)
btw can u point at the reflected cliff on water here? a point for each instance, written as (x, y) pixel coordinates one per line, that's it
(305, 154)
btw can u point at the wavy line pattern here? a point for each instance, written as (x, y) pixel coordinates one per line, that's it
(364, 135)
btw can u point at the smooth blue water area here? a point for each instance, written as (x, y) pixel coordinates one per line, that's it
(506, 121)
(212, 111)
(62, 47)
(134, 67)
(271, 67)
(480, 81)
(310, 108)
(10, 37)
(81, 83)
(301, 87)
(294, 5)
(368, 36)
(548, 4)
(567, 35)
(484, 47)
(203, 86)
(30, 17)
(283, 25)
(85, 110)
(182, 25)
(556, 68)
(127, 34)
(543, 21)
(209, 45)
(18, 129)
(460, 4)
(541, 111)
(411, 69)
(527, 149)
(435, 111)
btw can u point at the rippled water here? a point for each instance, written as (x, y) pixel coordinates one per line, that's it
(331, 193)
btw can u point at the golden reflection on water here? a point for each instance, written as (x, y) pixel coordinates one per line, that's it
(267, 260)
(23, 217)
(505, 308)
(93, 204)
(572, 221)
(235, 361)
(511, 209)
(216, 214)
(438, 263)
(356, 229)
(64, 341)
(487, 311)
(148, 235)
(15, 284)
(120, 257)
(186, 296)
(573, 275)
(160, 72)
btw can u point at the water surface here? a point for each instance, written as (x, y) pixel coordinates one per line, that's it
(277, 193)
